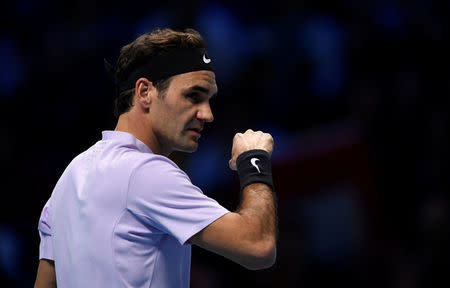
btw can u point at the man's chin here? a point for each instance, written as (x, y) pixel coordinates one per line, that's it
(191, 147)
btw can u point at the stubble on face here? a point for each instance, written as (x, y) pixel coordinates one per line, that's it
(175, 116)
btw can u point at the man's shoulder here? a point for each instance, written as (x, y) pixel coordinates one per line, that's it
(106, 156)
(158, 164)
(159, 170)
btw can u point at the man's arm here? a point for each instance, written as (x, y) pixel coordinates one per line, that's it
(247, 236)
(46, 276)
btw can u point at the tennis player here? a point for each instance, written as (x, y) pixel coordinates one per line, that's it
(124, 215)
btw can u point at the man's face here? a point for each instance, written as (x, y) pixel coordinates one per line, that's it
(178, 117)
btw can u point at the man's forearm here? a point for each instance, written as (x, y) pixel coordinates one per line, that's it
(258, 207)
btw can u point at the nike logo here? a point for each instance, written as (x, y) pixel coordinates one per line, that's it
(206, 60)
(253, 161)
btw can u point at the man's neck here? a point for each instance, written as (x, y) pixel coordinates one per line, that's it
(141, 129)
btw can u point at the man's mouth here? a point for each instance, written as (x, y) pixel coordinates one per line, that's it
(196, 131)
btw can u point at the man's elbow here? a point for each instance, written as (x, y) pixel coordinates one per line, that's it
(262, 262)
(262, 258)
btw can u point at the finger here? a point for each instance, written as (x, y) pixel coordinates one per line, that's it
(232, 164)
(268, 135)
(260, 135)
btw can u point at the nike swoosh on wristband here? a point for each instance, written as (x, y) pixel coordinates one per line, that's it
(253, 161)
(206, 60)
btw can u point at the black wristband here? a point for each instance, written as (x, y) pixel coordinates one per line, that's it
(253, 166)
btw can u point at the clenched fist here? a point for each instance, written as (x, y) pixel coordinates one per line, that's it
(248, 141)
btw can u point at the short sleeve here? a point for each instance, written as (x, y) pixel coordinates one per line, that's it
(45, 232)
(164, 195)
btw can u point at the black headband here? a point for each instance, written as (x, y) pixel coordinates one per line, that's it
(166, 65)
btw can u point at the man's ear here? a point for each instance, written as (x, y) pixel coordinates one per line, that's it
(144, 93)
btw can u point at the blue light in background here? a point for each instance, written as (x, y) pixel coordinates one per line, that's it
(152, 20)
(12, 72)
(226, 37)
(322, 40)
(389, 17)
(10, 253)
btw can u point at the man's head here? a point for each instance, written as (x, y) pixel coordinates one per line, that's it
(168, 111)
(148, 45)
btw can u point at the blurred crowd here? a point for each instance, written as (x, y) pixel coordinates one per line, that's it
(355, 93)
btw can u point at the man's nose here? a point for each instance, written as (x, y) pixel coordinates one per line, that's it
(205, 113)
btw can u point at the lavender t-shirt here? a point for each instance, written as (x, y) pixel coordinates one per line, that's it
(120, 216)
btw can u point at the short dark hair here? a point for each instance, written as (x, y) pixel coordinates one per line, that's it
(150, 44)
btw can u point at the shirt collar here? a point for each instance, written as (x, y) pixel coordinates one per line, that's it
(126, 138)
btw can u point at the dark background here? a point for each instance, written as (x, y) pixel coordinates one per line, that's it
(355, 93)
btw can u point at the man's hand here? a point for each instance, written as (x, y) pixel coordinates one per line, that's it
(248, 141)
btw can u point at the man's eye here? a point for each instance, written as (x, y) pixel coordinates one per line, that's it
(193, 96)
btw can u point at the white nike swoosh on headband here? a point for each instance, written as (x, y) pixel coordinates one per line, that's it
(206, 60)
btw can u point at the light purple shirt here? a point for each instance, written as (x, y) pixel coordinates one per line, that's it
(120, 216)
